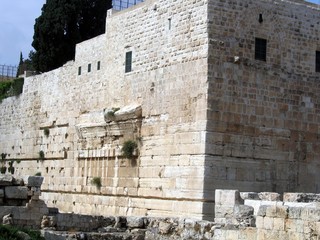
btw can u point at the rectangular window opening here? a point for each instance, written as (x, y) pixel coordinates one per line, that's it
(89, 67)
(317, 61)
(79, 70)
(260, 49)
(128, 67)
(98, 65)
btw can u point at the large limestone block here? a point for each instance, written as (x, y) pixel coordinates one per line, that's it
(16, 192)
(6, 180)
(33, 181)
(301, 197)
(277, 211)
(133, 111)
(227, 197)
(135, 222)
(269, 196)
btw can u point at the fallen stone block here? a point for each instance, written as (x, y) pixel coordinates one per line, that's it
(16, 192)
(33, 181)
(6, 180)
(135, 222)
(227, 197)
(269, 196)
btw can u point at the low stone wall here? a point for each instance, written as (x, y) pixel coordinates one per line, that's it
(19, 201)
(267, 215)
(246, 215)
(72, 226)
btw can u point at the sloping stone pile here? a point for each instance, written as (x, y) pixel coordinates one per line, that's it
(125, 228)
(19, 201)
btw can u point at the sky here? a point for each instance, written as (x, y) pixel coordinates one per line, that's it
(17, 18)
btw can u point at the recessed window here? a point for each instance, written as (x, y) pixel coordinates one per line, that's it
(79, 70)
(98, 65)
(89, 67)
(128, 67)
(260, 49)
(317, 61)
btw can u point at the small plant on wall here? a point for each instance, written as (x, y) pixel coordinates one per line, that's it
(111, 112)
(97, 182)
(3, 168)
(46, 132)
(128, 149)
(41, 155)
(11, 168)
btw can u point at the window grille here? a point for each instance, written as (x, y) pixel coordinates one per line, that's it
(123, 4)
(261, 49)
(128, 62)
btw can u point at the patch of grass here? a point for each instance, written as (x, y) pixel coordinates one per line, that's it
(128, 149)
(97, 182)
(14, 233)
(11, 88)
(5, 86)
(17, 86)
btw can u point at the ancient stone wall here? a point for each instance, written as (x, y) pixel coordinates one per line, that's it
(61, 115)
(266, 215)
(202, 111)
(263, 116)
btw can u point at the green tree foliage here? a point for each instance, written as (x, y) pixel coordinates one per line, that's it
(63, 24)
(25, 65)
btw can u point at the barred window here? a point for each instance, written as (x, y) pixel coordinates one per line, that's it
(89, 67)
(261, 49)
(98, 65)
(128, 67)
(79, 70)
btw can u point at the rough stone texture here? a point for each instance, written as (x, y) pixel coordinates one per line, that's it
(6, 179)
(15, 192)
(211, 115)
(33, 181)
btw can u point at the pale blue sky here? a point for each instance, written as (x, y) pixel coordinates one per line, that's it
(16, 28)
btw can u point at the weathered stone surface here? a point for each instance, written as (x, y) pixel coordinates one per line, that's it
(249, 195)
(213, 116)
(135, 222)
(7, 219)
(6, 180)
(165, 227)
(301, 197)
(33, 181)
(269, 196)
(16, 192)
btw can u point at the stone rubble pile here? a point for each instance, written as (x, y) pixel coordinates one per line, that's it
(20, 204)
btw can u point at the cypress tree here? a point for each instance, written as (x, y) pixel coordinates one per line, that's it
(63, 24)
